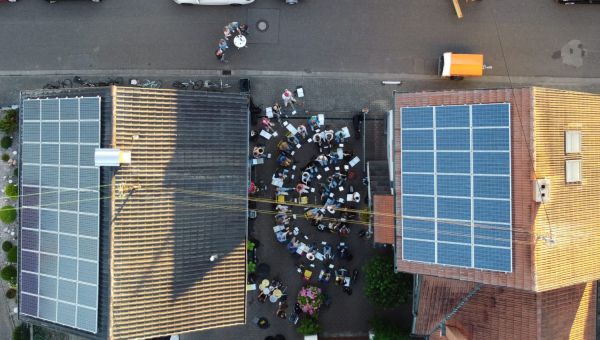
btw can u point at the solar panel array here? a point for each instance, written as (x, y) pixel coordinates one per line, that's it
(60, 211)
(456, 186)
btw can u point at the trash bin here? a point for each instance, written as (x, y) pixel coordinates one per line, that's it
(245, 85)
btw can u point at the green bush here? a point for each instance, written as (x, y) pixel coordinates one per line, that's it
(11, 191)
(5, 157)
(6, 142)
(309, 326)
(383, 286)
(387, 330)
(8, 214)
(6, 245)
(11, 256)
(16, 172)
(21, 332)
(251, 267)
(9, 124)
(250, 245)
(9, 274)
(11, 293)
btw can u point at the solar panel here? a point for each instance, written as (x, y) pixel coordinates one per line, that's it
(60, 211)
(456, 186)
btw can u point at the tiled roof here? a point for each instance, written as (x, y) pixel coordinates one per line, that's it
(507, 313)
(181, 200)
(383, 221)
(523, 207)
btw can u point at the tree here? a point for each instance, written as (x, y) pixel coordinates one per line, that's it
(9, 274)
(384, 287)
(387, 330)
(11, 191)
(12, 255)
(9, 123)
(8, 214)
(6, 142)
(21, 332)
(309, 326)
(6, 245)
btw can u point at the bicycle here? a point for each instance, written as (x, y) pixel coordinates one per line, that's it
(153, 84)
(214, 86)
(58, 84)
(190, 84)
(83, 82)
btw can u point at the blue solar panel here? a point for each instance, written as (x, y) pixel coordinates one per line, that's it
(452, 116)
(60, 217)
(459, 215)
(421, 117)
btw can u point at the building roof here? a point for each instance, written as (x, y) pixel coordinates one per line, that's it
(506, 313)
(383, 219)
(181, 201)
(554, 243)
(522, 169)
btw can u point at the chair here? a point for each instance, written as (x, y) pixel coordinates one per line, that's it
(307, 275)
(280, 199)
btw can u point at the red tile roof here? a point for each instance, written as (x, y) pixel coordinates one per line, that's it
(383, 219)
(523, 207)
(506, 313)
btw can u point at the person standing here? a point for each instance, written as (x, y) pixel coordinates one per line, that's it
(223, 44)
(288, 97)
(227, 32)
(220, 54)
(243, 29)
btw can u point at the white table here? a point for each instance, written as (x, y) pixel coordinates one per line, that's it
(278, 182)
(321, 118)
(265, 134)
(278, 228)
(239, 41)
(354, 161)
(290, 128)
(269, 112)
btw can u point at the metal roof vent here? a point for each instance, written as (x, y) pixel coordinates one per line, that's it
(111, 157)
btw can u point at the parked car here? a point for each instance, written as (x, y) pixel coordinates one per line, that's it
(578, 2)
(214, 2)
(55, 1)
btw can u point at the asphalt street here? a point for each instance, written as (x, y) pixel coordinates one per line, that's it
(375, 36)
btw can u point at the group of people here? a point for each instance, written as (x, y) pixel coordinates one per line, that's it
(232, 29)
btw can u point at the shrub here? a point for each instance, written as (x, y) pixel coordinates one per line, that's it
(6, 245)
(387, 330)
(5, 157)
(16, 172)
(9, 123)
(21, 332)
(309, 326)
(6, 142)
(384, 287)
(11, 293)
(9, 274)
(250, 245)
(11, 191)
(8, 214)
(11, 256)
(251, 267)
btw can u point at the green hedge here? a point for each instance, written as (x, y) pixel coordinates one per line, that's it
(11, 191)
(8, 214)
(6, 245)
(11, 256)
(384, 287)
(9, 123)
(309, 326)
(6, 142)
(21, 332)
(5, 157)
(9, 274)
(386, 330)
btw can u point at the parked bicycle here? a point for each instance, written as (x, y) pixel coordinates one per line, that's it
(147, 83)
(190, 84)
(58, 84)
(209, 85)
(102, 83)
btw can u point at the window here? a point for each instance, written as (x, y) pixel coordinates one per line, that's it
(572, 141)
(573, 171)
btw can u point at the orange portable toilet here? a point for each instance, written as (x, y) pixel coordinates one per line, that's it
(457, 66)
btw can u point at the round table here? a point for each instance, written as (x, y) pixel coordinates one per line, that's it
(266, 291)
(264, 283)
(239, 41)
(277, 293)
(273, 298)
